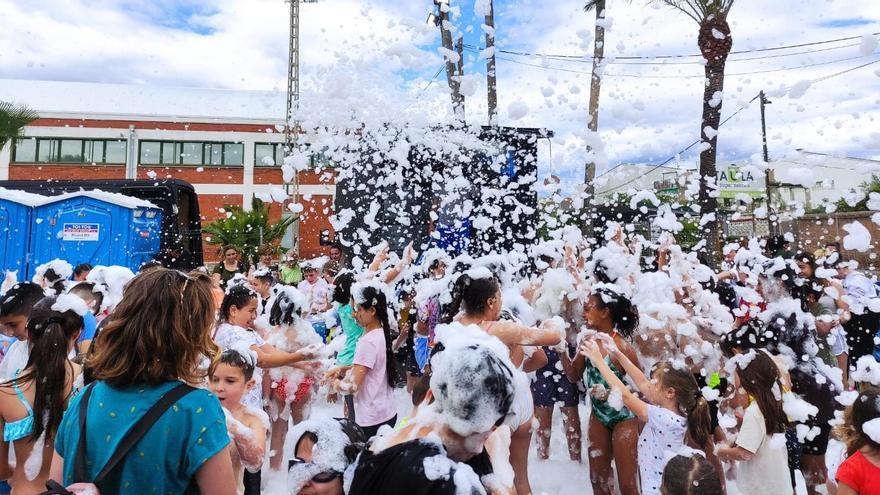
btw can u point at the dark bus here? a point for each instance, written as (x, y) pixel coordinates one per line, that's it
(181, 221)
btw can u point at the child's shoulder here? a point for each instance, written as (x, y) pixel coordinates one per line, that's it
(253, 417)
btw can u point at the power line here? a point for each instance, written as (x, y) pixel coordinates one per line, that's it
(679, 76)
(651, 57)
(814, 81)
(617, 60)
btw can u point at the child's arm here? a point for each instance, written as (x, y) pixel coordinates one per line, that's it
(351, 384)
(634, 372)
(633, 403)
(732, 453)
(249, 437)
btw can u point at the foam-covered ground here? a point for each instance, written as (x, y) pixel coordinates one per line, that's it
(555, 476)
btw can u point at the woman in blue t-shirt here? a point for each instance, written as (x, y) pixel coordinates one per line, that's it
(155, 339)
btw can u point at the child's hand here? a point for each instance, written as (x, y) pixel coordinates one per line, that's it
(591, 351)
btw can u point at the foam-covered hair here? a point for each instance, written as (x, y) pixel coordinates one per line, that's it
(288, 306)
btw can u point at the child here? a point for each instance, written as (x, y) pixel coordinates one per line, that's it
(317, 293)
(351, 330)
(677, 410)
(237, 314)
(373, 374)
(15, 307)
(262, 281)
(40, 390)
(759, 449)
(860, 472)
(230, 378)
(690, 475)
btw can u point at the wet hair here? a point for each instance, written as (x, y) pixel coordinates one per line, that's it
(82, 267)
(690, 475)
(865, 408)
(235, 359)
(55, 281)
(373, 298)
(753, 334)
(489, 383)
(357, 439)
(265, 277)
(342, 288)
(86, 291)
(20, 299)
(624, 315)
(331, 268)
(689, 399)
(159, 332)
(471, 294)
(237, 295)
(50, 334)
(758, 379)
(284, 311)
(149, 265)
(435, 264)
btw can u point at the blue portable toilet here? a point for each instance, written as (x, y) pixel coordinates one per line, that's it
(15, 229)
(95, 227)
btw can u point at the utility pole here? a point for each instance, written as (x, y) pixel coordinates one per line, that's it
(491, 81)
(453, 69)
(290, 128)
(768, 174)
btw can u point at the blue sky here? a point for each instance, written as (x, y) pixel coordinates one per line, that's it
(382, 51)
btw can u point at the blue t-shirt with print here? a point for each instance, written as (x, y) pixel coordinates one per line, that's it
(165, 460)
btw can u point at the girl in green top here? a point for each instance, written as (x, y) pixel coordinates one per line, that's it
(613, 431)
(353, 331)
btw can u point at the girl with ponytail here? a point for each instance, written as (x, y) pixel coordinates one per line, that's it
(33, 402)
(675, 412)
(373, 372)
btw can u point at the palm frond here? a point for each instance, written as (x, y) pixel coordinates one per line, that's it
(243, 228)
(13, 119)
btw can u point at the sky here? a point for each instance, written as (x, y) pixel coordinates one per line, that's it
(378, 58)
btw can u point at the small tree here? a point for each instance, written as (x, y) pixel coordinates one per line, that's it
(13, 119)
(247, 230)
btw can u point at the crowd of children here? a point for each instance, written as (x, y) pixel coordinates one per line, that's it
(424, 373)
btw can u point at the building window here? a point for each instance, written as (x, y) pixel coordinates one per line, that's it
(191, 153)
(324, 238)
(80, 151)
(25, 150)
(269, 154)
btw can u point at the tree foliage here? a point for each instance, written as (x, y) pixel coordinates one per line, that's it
(244, 229)
(13, 119)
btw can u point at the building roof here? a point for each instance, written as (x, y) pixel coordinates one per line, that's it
(128, 101)
(30, 199)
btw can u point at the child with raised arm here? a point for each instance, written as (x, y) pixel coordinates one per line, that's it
(675, 412)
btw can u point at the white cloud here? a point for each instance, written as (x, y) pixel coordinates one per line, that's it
(374, 59)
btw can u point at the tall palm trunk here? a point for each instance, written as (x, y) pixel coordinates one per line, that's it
(593, 123)
(715, 44)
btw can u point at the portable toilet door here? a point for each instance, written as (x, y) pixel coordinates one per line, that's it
(93, 227)
(15, 229)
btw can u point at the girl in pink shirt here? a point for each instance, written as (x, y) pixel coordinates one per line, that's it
(373, 374)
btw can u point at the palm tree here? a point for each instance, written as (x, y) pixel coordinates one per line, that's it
(13, 119)
(247, 230)
(595, 87)
(715, 43)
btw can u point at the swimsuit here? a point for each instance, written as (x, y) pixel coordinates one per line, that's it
(16, 430)
(603, 411)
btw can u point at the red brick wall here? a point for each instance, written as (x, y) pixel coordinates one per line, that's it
(152, 125)
(315, 218)
(72, 172)
(273, 175)
(208, 175)
(814, 231)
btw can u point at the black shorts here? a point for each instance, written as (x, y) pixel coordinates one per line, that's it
(551, 386)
